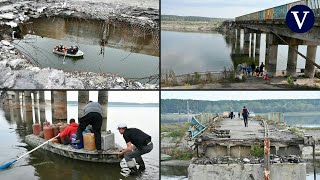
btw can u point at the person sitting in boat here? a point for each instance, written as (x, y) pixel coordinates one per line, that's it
(68, 131)
(70, 50)
(60, 47)
(75, 49)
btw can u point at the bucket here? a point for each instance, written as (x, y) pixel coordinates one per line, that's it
(48, 132)
(89, 142)
(36, 129)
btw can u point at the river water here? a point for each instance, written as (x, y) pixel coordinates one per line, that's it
(188, 52)
(47, 166)
(124, 53)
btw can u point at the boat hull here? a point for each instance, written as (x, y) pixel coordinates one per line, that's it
(109, 156)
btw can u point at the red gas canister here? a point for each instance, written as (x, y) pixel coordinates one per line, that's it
(48, 132)
(62, 127)
(56, 130)
(36, 129)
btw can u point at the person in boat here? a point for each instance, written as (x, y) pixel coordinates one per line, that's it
(75, 49)
(68, 131)
(60, 47)
(92, 114)
(138, 143)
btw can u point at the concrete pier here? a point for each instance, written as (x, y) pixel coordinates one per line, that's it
(60, 105)
(273, 53)
(246, 43)
(257, 51)
(292, 61)
(42, 107)
(311, 54)
(252, 45)
(27, 101)
(238, 40)
(83, 99)
(36, 106)
(17, 99)
(103, 100)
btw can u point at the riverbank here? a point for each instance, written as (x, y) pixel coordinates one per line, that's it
(201, 81)
(190, 26)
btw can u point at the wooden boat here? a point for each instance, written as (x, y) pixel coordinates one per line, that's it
(78, 54)
(109, 156)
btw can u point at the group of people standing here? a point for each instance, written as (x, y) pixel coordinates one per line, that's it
(138, 142)
(250, 70)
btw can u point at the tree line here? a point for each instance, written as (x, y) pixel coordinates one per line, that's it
(191, 18)
(258, 106)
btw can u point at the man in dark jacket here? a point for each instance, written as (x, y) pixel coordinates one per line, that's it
(92, 114)
(142, 145)
(245, 114)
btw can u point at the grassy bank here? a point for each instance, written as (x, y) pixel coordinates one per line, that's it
(176, 130)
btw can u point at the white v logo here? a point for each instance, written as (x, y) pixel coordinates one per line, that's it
(295, 14)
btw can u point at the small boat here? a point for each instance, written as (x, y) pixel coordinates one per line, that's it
(63, 53)
(109, 156)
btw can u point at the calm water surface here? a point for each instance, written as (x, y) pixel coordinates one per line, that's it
(188, 52)
(47, 166)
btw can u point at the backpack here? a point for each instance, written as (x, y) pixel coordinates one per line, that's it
(245, 112)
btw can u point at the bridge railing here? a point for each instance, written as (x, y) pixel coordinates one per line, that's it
(280, 12)
(205, 117)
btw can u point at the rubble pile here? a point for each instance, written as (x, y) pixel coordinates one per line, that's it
(247, 160)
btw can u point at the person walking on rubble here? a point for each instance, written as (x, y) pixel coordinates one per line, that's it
(245, 114)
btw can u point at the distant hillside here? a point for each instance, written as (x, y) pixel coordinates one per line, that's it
(191, 18)
(258, 106)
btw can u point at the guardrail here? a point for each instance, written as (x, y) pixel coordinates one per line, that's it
(280, 12)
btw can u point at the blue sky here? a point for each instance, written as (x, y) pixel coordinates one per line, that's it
(217, 8)
(239, 95)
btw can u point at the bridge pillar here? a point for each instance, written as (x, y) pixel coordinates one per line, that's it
(83, 99)
(273, 53)
(36, 106)
(17, 99)
(292, 61)
(258, 42)
(42, 106)
(252, 45)
(103, 101)
(238, 40)
(28, 101)
(311, 54)
(60, 105)
(246, 42)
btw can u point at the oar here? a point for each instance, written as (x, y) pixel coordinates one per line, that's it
(8, 164)
(65, 54)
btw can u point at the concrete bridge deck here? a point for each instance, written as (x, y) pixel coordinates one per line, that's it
(242, 139)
